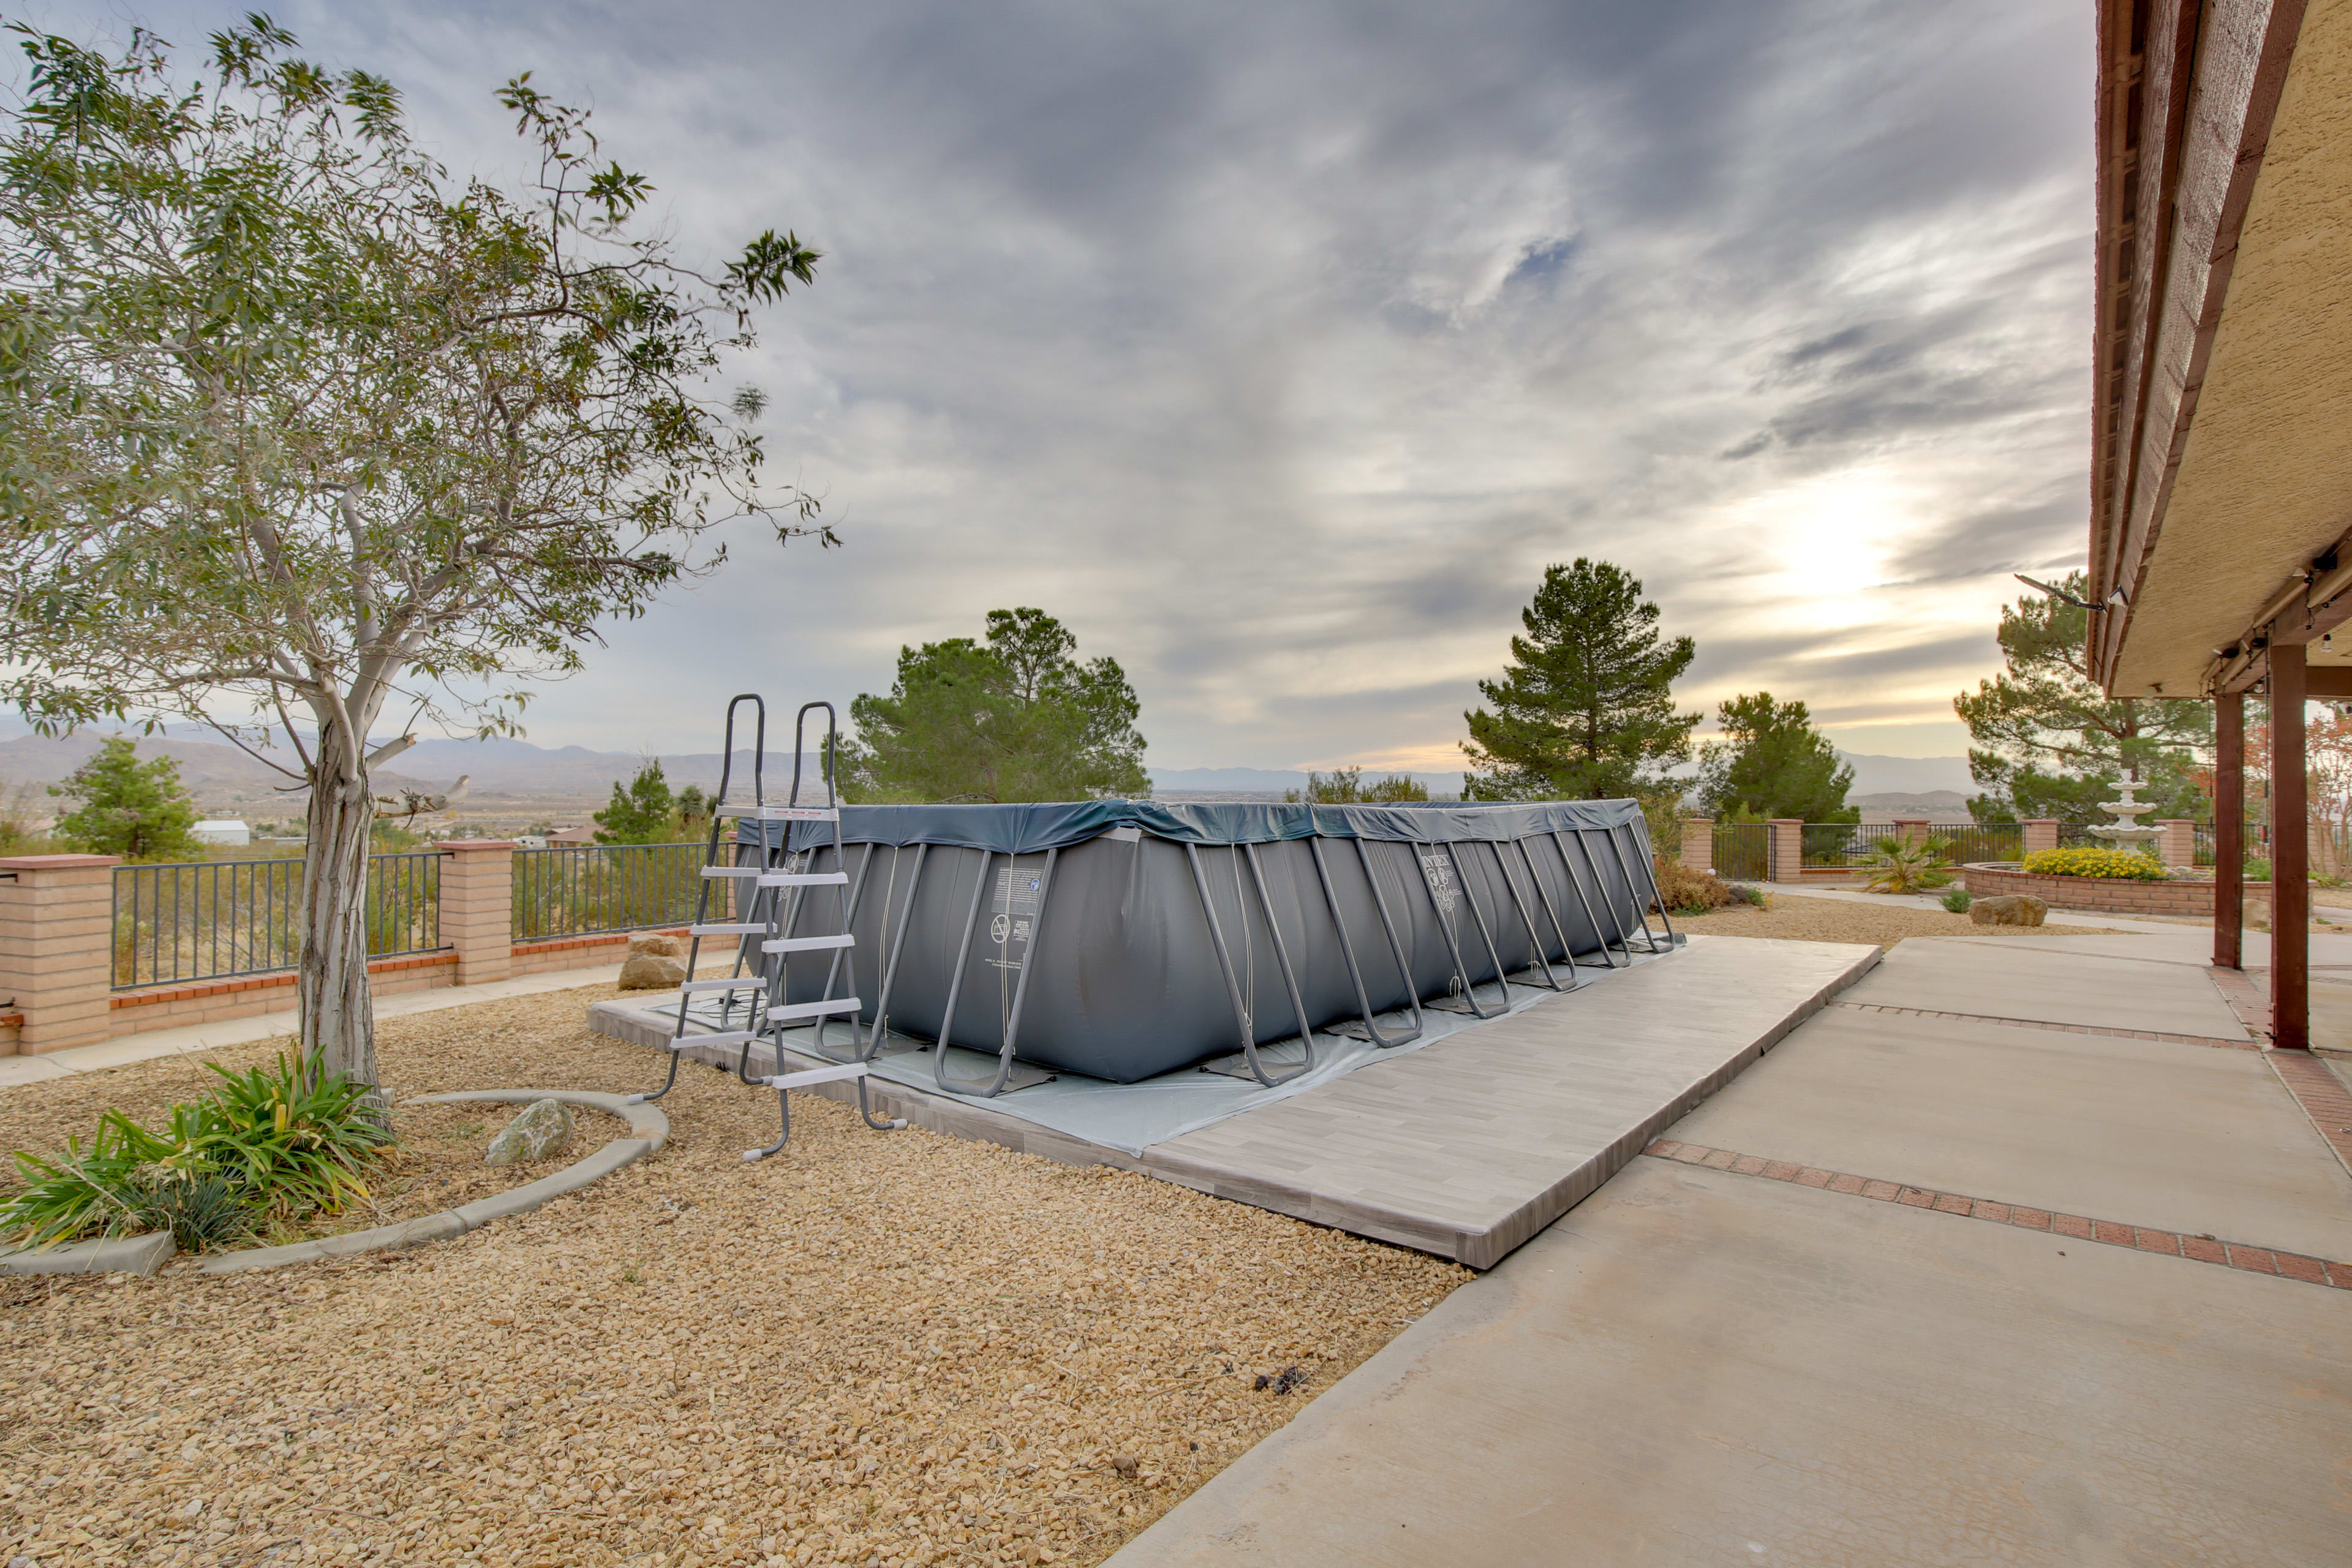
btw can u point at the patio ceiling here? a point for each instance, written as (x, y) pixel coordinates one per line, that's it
(2221, 475)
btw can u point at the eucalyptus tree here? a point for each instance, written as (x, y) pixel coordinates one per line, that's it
(298, 430)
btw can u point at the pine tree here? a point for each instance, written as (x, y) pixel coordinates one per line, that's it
(2046, 742)
(641, 813)
(137, 810)
(1585, 711)
(1772, 761)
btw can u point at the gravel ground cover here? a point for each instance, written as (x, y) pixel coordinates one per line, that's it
(1798, 918)
(893, 1348)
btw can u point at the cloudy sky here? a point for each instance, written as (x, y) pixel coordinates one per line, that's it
(1277, 347)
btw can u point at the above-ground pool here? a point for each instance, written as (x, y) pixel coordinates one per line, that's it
(1127, 938)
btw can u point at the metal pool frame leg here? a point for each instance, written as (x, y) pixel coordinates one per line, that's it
(1607, 960)
(1567, 953)
(1348, 951)
(1478, 918)
(1461, 970)
(1020, 987)
(1650, 875)
(1233, 986)
(875, 1030)
(1535, 942)
(1633, 889)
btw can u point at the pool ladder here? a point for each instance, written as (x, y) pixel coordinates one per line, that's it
(780, 884)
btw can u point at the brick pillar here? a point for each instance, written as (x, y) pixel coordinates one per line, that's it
(2179, 845)
(1911, 829)
(1785, 859)
(2040, 833)
(477, 907)
(57, 947)
(1698, 844)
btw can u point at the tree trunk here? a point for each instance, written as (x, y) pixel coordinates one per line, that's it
(338, 1021)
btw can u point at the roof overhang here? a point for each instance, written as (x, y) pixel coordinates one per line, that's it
(2221, 467)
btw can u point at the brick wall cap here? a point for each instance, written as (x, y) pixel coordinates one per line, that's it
(1785, 821)
(463, 845)
(57, 862)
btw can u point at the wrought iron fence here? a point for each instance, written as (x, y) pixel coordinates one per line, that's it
(581, 890)
(219, 920)
(1977, 842)
(2206, 854)
(1742, 851)
(1836, 844)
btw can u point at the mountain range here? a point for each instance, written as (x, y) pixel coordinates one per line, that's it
(511, 767)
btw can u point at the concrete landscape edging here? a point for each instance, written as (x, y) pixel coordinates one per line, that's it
(650, 1129)
(107, 1255)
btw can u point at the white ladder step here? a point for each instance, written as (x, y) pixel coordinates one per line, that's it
(803, 878)
(808, 943)
(783, 812)
(812, 1009)
(734, 871)
(748, 983)
(815, 1076)
(758, 929)
(688, 1042)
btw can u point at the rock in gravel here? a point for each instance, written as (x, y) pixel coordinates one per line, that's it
(2009, 910)
(652, 971)
(659, 943)
(542, 1129)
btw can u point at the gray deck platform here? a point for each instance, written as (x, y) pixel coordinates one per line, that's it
(1468, 1147)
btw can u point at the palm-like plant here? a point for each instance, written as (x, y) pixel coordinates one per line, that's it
(1907, 864)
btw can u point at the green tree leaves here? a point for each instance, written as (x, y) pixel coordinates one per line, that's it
(1585, 710)
(642, 813)
(1016, 718)
(1772, 761)
(137, 810)
(2048, 742)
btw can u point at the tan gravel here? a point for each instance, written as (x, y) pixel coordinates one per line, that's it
(884, 1349)
(1798, 918)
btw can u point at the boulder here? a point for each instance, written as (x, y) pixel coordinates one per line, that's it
(543, 1127)
(657, 943)
(2009, 910)
(652, 971)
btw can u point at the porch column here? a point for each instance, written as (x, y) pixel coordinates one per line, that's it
(1786, 857)
(2290, 855)
(2229, 829)
(1698, 844)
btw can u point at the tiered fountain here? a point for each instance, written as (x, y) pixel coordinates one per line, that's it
(2127, 832)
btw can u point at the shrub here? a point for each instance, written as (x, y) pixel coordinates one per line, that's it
(259, 1145)
(1957, 901)
(2257, 870)
(1906, 866)
(1684, 891)
(2087, 860)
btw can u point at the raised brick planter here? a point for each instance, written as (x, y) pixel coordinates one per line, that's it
(2114, 895)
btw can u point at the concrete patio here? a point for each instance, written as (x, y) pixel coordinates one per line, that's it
(2000, 1284)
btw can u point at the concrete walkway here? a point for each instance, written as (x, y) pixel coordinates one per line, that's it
(1813, 1356)
(191, 1038)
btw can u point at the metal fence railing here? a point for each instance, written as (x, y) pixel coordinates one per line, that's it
(1742, 851)
(584, 890)
(1842, 843)
(1977, 842)
(2206, 854)
(219, 920)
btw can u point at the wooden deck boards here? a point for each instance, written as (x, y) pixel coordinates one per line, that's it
(1468, 1147)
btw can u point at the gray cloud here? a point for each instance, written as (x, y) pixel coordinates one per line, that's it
(1279, 349)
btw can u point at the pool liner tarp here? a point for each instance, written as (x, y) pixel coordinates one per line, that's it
(1123, 974)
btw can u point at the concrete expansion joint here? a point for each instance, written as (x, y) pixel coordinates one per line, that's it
(2216, 1041)
(2240, 1255)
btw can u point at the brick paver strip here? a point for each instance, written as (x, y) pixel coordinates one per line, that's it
(2321, 1094)
(2227, 1045)
(2104, 1232)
